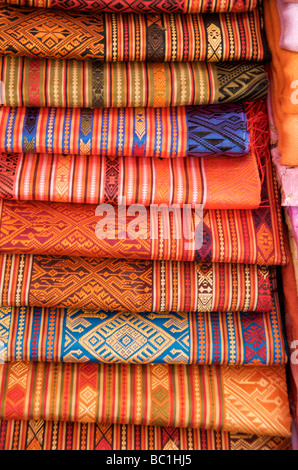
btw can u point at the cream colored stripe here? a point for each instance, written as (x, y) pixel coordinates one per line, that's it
(2, 278)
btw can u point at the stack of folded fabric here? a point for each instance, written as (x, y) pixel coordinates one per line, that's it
(126, 325)
(281, 19)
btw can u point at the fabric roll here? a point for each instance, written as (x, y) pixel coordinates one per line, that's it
(148, 233)
(134, 286)
(59, 435)
(247, 399)
(174, 132)
(132, 180)
(288, 15)
(94, 84)
(287, 176)
(77, 335)
(60, 34)
(139, 6)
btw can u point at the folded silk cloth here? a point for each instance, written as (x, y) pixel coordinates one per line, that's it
(141, 6)
(184, 131)
(60, 435)
(287, 129)
(139, 232)
(132, 180)
(136, 180)
(78, 335)
(288, 15)
(284, 63)
(248, 399)
(287, 176)
(95, 84)
(49, 33)
(134, 286)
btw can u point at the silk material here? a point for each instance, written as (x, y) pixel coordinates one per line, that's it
(60, 34)
(287, 176)
(132, 180)
(94, 84)
(287, 129)
(288, 15)
(174, 132)
(82, 179)
(137, 232)
(139, 6)
(134, 286)
(209, 397)
(58, 435)
(232, 338)
(284, 63)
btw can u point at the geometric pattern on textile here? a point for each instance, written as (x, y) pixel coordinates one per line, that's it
(243, 390)
(134, 285)
(135, 132)
(246, 399)
(47, 33)
(93, 84)
(132, 180)
(139, 6)
(203, 135)
(249, 442)
(37, 227)
(74, 335)
(58, 435)
(231, 81)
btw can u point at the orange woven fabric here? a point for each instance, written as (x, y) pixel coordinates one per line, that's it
(248, 399)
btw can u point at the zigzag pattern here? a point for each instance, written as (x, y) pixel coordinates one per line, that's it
(226, 135)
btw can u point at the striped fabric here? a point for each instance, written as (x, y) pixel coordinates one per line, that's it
(58, 435)
(139, 6)
(139, 232)
(206, 397)
(77, 335)
(94, 84)
(134, 286)
(58, 34)
(174, 132)
(132, 180)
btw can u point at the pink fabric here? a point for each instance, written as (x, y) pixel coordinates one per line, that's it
(288, 14)
(293, 213)
(287, 176)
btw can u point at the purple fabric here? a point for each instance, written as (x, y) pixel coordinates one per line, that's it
(287, 176)
(288, 14)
